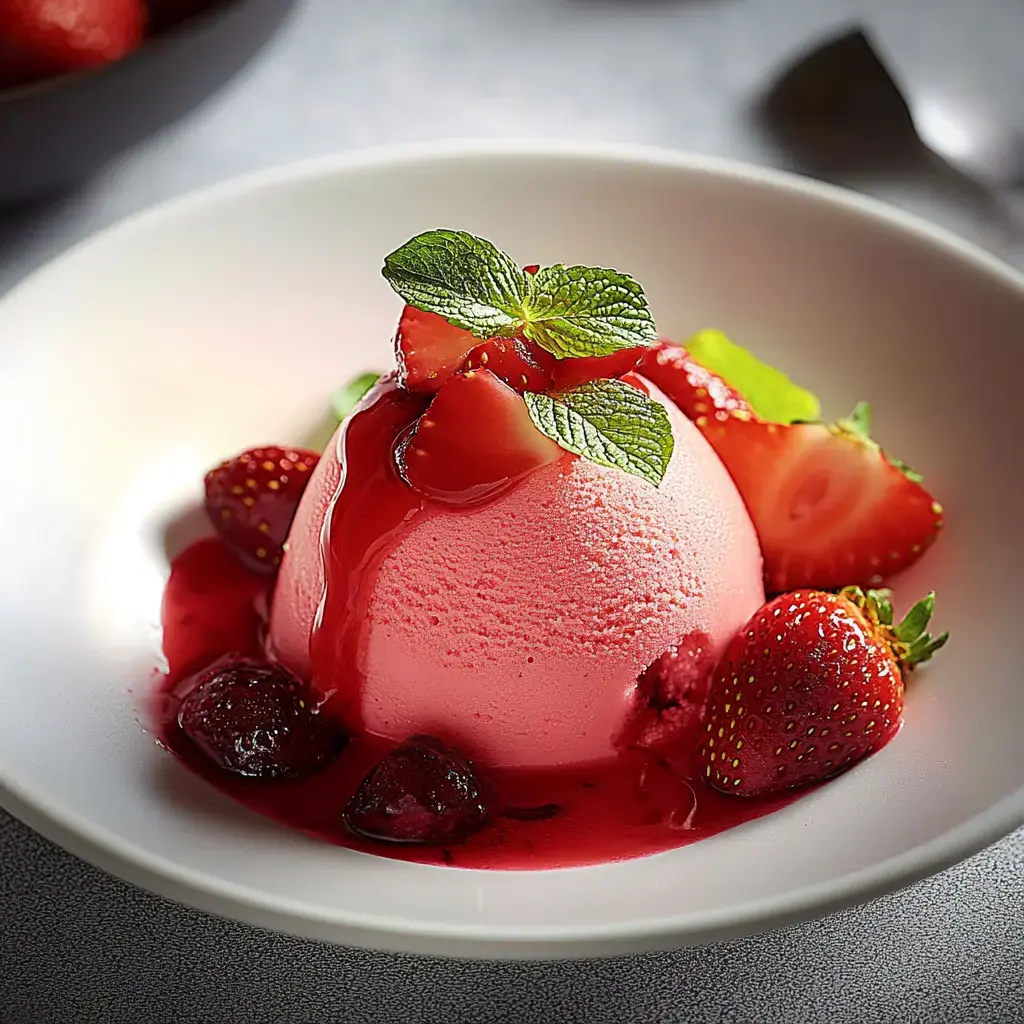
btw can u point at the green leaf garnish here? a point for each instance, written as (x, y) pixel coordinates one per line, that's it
(465, 279)
(909, 641)
(607, 422)
(881, 601)
(568, 311)
(587, 311)
(346, 398)
(912, 632)
(771, 394)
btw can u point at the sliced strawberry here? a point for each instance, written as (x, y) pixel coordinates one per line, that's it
(830, 508)
(251, 500)
(699, 393)
(511, 360)
(474, 440)
(429, 350)
(567, 373)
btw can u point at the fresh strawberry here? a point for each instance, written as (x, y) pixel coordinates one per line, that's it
(69, 35)
(701, 394)
(567, 373)
(429, 350)
(829, 506)
(811, 685)
(252, 499)
(512, 360)
(475, 438)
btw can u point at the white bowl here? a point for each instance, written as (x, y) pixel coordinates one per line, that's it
(141, 357)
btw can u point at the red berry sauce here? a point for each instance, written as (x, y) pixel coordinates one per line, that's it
(643, 802)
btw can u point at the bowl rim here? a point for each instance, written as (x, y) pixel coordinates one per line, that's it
(107, 851)
(199, 20)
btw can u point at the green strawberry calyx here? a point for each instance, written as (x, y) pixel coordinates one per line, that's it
(908, 640)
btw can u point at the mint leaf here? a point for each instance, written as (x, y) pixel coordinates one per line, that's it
(465, 279)
(571, 312)
(346, 398)
(587, 311)
(609, 423)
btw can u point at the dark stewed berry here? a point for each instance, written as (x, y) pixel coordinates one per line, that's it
(253, 719)
(422, 792)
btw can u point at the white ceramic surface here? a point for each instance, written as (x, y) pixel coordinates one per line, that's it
(138, 359)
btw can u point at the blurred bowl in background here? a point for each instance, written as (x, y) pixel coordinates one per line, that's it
(55, 132)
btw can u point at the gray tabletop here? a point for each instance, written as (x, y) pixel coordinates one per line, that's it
(79, 946)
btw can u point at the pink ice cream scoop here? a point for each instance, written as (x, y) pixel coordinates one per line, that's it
(518, 631)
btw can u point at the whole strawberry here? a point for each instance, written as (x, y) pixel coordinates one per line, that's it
(252, 499)
(812, 684)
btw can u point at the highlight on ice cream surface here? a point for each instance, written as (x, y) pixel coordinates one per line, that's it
(557, 591)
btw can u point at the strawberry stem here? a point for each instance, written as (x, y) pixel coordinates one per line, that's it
(909, 641)
(915, 621)
(858, 425)
(881, 600)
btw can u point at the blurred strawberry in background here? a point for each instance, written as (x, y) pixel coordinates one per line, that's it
(40, 38)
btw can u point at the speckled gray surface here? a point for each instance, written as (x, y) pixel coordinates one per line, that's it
(79, 946)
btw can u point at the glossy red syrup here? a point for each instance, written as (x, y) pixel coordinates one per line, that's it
(373, 507)
(638, 804)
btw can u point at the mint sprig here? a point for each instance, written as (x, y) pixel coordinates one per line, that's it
(607, 422)
(571, 312)
(587, 311)
(465, 279)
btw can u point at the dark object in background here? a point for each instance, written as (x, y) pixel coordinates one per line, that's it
(56, 132)
(838, 108)
(165, 13)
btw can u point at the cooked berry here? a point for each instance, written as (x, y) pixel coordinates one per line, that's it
(422, 792)
(253, 719)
